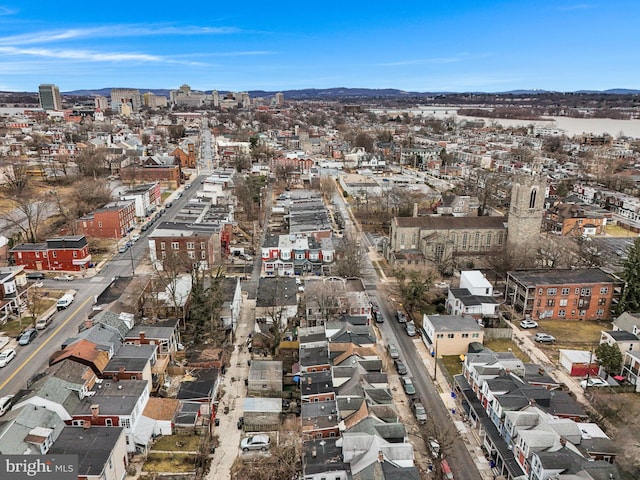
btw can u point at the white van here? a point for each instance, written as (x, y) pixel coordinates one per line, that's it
(65, 301)
(44, 321)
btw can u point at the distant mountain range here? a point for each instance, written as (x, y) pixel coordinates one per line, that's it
(315, 93)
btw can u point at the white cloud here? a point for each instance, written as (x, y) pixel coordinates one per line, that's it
(4, 10)
(113, 31)
(422, 61)
(87, 55)
(578, 6)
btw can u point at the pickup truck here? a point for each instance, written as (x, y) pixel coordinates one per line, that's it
(418, 410)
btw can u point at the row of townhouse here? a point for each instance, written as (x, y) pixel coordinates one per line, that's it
(527, 424)
(296, 254)
(625, 207)
(351, 428)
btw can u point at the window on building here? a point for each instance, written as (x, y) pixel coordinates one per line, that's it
(582, 313)
(203, 255)
(585, 292)
(539, 302)
(540, 291)
(191, 255)
(562, 313)
(602, 301)
(75, 254)
(162, 246)
(125, 422)
(565, 291)
(500, 238)
(475, 335)
(550, 302)
(465, 335)
(37, 254)
(465, 239)
(532, 198)
(600, 312)
(488, 237)
(163, 255)
(604, 290)
(54, 254)
(108, 422)
(439, 253)
(440, 335)
(563, 302)
(552, 291)
(191, 245)
(451, 335)
(175, 245)
(99, 224)
(476, 241)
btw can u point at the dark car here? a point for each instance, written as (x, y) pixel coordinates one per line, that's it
(402, 318)
(240, 423)
(400, 366)
(27, 336)
(35, 276)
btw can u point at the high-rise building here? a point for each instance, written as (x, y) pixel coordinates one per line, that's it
(216, 98)
(129, 96)
(279, 99)
(101, 103)
(50, 97)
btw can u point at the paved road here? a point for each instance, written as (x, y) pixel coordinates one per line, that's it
(462, 465)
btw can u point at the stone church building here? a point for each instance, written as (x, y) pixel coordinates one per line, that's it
(439, 238)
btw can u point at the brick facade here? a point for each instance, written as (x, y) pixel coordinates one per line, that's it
(56, 254)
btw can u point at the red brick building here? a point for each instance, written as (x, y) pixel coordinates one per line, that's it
(197, 245)
(578, 294)
(168, 175)
(114, 220)
(187, 159)
(69, 254)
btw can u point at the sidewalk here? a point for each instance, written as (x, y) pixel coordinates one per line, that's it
(233, 392)
(471, 441)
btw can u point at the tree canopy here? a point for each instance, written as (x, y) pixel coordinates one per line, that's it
(630, 301)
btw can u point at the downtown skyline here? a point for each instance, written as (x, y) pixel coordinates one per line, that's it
(426, 46)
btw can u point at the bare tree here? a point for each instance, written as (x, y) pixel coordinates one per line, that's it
(17, 179)
(349, 258)
(26, 215)
(169, 270)
(414, 286)
(91, 162)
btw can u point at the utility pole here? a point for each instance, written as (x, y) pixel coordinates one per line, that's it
(133, 267)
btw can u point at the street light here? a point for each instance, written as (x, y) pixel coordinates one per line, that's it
(435, 360)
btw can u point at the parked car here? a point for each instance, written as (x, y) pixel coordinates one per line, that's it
(593, 382)
(434, 446)
(7, 356)
(65, 277)
(410, 327)
(378, 317)
(123, 248)
(35, 276)
(407, 384)
(27, 336)
(5, 404)
(256, 442)
(446, 470)
(393, 351)
(401, 368)
(544, 338)
(240, 423)
(419, 410)
(402, 318)
(528, 324)
(135, 237)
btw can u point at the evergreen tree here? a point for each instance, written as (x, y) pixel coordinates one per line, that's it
(610, 357)
(630, 301)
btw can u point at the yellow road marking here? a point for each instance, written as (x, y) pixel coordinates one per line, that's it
(49, 337)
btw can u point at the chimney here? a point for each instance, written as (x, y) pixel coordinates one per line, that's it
(95, 410)
(142, 334)
(563, 441)
(314, 452)
(415, 209)
(86, 425)
(380, 456)
(88, 323)
(121, 372)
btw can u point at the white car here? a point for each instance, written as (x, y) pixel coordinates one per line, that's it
(7, 356)
(528, 324)
(64, 277)
(593, 382)
(544, 338)
(256, 442)
(5, 404)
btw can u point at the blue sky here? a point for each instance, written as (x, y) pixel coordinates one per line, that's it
(426, 45)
